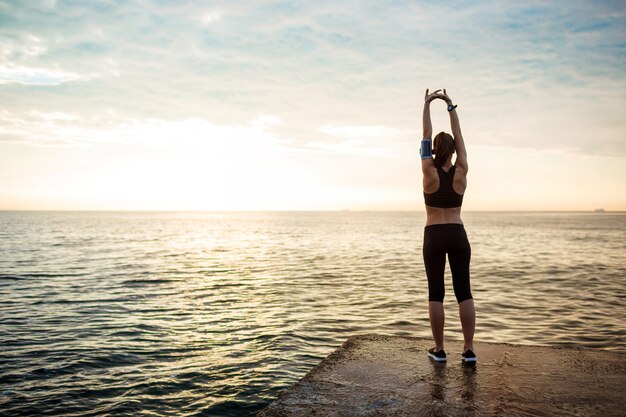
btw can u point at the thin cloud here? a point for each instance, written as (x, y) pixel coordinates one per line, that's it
(352, 132)
(509, 66)
(63, 129)
(210, 18)
(37, 76)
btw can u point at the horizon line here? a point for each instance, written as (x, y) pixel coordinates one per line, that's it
(303, 210)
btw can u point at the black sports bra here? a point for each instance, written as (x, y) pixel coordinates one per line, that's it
(445, 196)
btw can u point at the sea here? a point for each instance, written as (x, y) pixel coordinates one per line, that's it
(216, 313)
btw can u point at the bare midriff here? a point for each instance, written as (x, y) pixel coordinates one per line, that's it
(438, 215)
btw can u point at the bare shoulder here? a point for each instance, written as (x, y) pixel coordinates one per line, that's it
(428, 166)
(461, 169)
(430, 182)
(461, 166)
(460, 178)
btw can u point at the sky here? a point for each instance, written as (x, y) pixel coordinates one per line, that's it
(301, 105)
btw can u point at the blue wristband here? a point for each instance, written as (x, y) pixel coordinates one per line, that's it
(426, 150)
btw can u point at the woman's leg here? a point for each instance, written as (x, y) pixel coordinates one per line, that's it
(437, 319)
(468, 322)
(459, 257)
(435, 264)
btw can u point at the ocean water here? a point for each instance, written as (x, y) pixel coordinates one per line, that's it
(215, 313)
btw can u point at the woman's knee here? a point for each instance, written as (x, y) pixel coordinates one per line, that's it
(462, 293)
(436, 293)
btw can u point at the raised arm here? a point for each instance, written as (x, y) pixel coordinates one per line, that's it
(459, 143)
(426, 144)
(427, 125)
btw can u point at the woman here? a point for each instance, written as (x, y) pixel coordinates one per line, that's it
(444, 187)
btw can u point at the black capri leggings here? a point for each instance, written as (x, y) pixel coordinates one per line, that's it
(440, 239)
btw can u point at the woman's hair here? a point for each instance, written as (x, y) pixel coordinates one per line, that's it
(443, 148)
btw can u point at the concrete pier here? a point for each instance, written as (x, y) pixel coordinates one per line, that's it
(374, 375)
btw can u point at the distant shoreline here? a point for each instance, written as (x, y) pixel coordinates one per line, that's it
(592, 211)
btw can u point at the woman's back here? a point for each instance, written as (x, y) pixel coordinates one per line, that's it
(444, 188)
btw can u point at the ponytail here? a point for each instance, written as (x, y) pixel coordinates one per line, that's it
(443, 148)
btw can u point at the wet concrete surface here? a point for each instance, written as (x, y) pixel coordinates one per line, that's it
(374, 375)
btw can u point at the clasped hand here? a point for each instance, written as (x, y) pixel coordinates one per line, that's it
(435, 95)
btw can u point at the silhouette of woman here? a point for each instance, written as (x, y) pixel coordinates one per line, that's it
(444, 186)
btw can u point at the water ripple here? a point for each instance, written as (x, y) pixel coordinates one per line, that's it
(130, 313)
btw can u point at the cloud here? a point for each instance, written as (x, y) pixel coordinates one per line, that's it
(376, 140)
(210, 18)
(36, 76)
(352, 132)
(265, 121)
(514, 68)
(54, 116)
(63, 129)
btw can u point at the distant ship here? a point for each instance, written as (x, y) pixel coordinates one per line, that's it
(600, 210)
